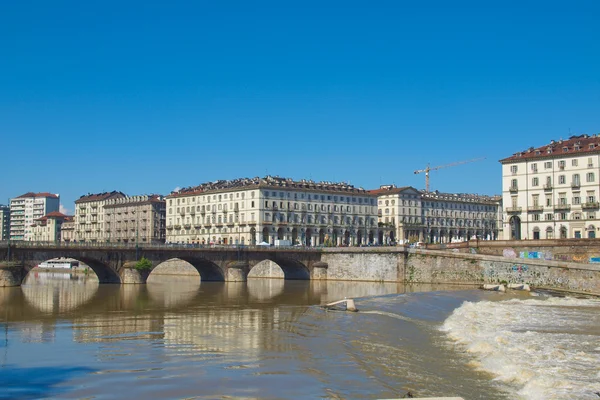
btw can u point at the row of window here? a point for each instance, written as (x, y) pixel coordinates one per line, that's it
(225, 197)
(563, 216)
(561, 164)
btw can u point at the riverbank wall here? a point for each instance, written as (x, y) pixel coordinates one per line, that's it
(435, 266)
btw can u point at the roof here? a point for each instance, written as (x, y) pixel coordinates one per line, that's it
(53, 214)
(390, 189)
(575, 145)
(42, 194)
(269, 182)
(100, 196)
(460, 197)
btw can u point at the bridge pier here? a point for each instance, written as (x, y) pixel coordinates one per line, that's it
(11, 274)
(319, 271)
(130, 275)
(237, 271)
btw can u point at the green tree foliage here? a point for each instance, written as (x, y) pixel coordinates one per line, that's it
(143, 264)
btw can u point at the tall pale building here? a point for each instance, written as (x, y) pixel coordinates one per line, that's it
(552, 191)
(272, 209)
(27, 208)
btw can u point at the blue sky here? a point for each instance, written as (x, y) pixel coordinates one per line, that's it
(147, 96)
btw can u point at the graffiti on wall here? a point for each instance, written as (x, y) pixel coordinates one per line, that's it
(509, 253)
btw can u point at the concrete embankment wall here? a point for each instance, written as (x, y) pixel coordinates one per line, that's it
(430, 266)
(568, 250)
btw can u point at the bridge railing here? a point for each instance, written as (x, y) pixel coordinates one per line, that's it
(150, 246)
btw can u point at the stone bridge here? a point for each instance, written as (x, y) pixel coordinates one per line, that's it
(115, 264)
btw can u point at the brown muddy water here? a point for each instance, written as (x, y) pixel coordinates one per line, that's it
(64, 336)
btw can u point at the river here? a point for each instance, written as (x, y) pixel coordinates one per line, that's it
(66, 336)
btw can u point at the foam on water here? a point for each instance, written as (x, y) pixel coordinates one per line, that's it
(541, 348)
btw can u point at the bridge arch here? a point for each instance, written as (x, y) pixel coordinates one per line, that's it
(104, 272)
(289, 269)
(208, 270)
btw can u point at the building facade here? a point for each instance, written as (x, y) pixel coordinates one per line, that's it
(552, 191)
(456, 217)
(89, 216)
(67, 229)
(135, 219)
(27, 208)
(4, 222)
(117, 218)
(272, 210)
(435, 217)
(399, 208)
(48, 228)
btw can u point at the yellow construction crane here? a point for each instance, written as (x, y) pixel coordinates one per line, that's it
(426, 170)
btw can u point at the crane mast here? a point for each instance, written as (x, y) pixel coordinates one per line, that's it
(427, 169)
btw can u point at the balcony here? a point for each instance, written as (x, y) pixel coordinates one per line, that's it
(575, 184)
(193, 211)
(513, 189)
(514, 209)
(187, 226)
(169, 227)
(535, 208)
(548, 186)
(182, 211)
(197, 226)
(562, 206)
(593, 204)
(203, 211)
(177, 226)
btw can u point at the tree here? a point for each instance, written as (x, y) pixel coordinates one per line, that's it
(143, 264)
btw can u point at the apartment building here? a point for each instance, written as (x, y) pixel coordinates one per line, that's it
(67, 229)
(436, 217)
(117, 218)
(270, 209)
(399, 208)
(27, 208)
(552, 191)
(135, 219)
(456, 217)
(48, 228)
(4, 222)
(90, 216)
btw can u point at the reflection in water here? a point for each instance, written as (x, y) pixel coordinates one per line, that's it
(178, 338)
(265, 289)
(171, 291)
(58, 292)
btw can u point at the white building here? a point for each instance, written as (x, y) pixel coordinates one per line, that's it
(27, 208)
(435, 217)
(552, 191)
(456, 217)
(250, 211)
(399, 208)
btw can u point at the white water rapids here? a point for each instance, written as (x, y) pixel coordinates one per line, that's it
(540, 348)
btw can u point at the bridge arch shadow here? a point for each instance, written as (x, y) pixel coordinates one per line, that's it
(189, 266)
(281, 268)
